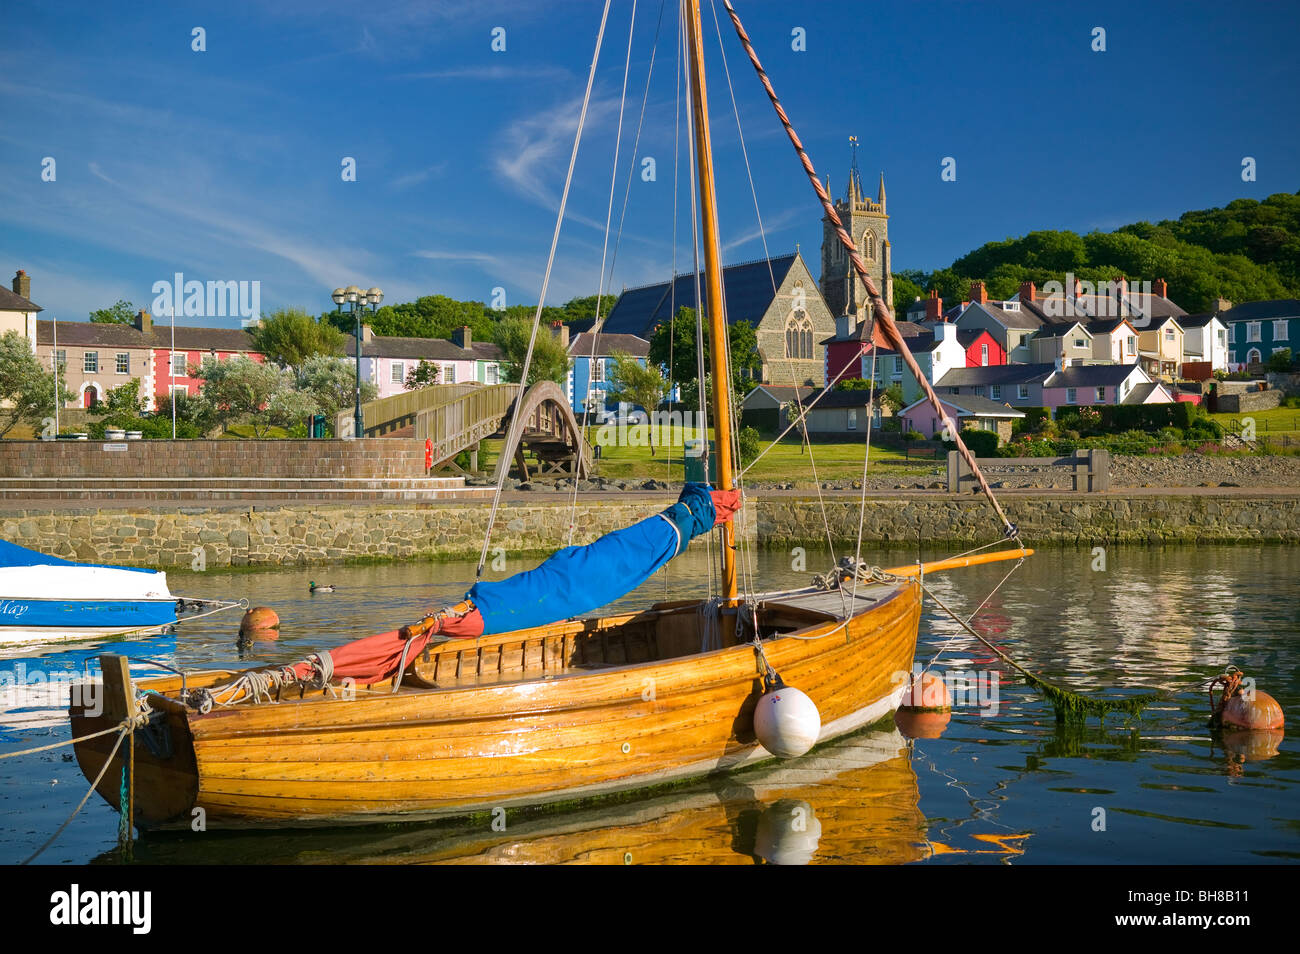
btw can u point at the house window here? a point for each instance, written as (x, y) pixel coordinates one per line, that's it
(1101, 395)
(853, 418)
(90, 362)
(954, 390)
(1169, 334)
(984, 355)
(490, 374)
(1080, 343)
(1022, 392)
(123, 362)
(799, 336)
(1252, 330)
(1131, 344)
(397, 370)
(448, 374)
(995, 392)
(1223, 339)
(598, 370)
(61, 358)
(178, 364)
(1279, 329)
(897, 366)
(1071, 396)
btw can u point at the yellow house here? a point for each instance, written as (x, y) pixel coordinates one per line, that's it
(17, 310)
(1160, 348)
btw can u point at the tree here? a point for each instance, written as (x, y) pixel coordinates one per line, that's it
(635, 383)
(26, 388)
(423, 375)
(1280, 360)
(120, 313)
(331, 383)
(122, 407)
(290, 336)
(195, 417)
(674, 348)
(241, 390)
(550, 360)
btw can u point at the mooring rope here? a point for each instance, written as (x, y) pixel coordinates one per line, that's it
(124, 728)
(516, 424)
(879, 307)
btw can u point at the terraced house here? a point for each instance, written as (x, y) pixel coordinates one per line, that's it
(1258, 330)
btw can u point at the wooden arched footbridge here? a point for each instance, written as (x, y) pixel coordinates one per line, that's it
(458, 417)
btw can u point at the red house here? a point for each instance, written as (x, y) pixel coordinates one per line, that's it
(982, 349)
(171, 370)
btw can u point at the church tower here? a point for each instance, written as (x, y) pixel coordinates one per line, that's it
(868, 225)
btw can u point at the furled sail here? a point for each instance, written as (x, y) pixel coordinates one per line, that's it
(571, 582)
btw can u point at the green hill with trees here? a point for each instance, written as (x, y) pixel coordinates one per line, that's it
(1246, 251)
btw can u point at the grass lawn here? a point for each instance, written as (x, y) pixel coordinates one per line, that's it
(630, 458)
(1275, 422)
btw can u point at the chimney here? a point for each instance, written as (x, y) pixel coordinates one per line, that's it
(1078, 288)
(561, 331)
(1028, 291)
(462, 337)
(1221, 305)
(842, 327)
(978, 292)
(23, 284)
(943, 330)
(1160, 288)
(144, 322)
(934, 306)
(367, 334)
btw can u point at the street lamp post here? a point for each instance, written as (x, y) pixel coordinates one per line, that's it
(358, 302)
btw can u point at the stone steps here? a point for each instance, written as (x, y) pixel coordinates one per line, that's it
(319, 489)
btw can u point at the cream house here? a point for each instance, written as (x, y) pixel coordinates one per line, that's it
(17, 310)
(1160, 347)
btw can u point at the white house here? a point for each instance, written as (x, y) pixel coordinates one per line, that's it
(17, 310)
(937, 351)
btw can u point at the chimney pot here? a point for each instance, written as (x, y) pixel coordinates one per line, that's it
(462, 337)
(979, 292)
(1160, 287)
(144, 322)
(1028, 291)
(22, 284)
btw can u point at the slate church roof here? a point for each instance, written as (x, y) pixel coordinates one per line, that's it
(747, 288)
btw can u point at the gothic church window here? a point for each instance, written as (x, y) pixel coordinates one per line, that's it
(799, 336)
(869, 245)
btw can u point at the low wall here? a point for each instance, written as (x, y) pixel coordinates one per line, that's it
(1249, 401)
(371, 457)
(174, 537)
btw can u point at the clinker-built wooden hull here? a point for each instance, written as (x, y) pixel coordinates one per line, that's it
(560, 713)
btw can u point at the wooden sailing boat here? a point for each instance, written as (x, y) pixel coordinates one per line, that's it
(553, 713)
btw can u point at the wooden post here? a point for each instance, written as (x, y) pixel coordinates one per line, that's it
(119, 699)
(954, 472)
(713, 268)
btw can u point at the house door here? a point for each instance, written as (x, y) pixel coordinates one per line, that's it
(89, 397)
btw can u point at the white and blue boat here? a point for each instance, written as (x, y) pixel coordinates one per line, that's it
(46, 598)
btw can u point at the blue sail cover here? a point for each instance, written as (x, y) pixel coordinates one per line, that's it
(11, 554)
(576, 580)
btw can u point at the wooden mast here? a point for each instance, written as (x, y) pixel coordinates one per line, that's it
(718, 338)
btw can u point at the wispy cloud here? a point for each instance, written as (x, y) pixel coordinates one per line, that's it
(419, 176)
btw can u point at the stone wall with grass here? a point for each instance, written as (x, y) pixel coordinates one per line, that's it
(214, 536)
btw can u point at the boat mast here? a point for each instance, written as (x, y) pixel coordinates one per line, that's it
(718, 338)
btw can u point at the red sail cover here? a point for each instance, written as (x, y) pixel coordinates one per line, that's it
(378, 657)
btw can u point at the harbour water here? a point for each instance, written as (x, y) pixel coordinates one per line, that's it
(1003, 783)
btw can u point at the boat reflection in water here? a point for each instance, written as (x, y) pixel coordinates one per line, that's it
(852, 801)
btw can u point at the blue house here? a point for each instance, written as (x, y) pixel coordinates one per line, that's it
(1259, 329)
(588, 383)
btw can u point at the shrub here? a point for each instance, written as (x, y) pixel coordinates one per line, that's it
(911, 436)
(749, 442)
(981, 443)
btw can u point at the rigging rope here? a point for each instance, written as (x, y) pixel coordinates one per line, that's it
(516, 424)
(600, 285)
(879, 308)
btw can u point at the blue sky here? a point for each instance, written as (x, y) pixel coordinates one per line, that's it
(225, 164)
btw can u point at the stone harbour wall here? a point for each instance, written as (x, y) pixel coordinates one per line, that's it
(291, 535)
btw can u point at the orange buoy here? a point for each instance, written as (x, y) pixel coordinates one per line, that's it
(919, 724)
(927, 694)
(260, 622)
(1260, 711)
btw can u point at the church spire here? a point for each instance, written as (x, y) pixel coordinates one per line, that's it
(881, 197)
(855, 179)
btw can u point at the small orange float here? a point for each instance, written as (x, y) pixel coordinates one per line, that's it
(927, 694)
(1240, 705)
(260, 622)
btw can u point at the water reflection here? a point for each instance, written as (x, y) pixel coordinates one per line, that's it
(1173, 792)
